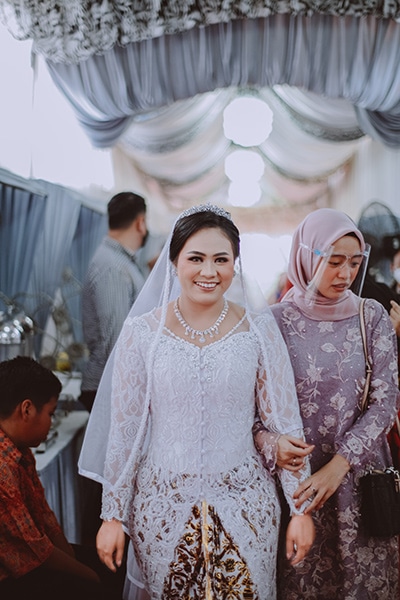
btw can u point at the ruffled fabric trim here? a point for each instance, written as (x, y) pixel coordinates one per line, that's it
(71, 31)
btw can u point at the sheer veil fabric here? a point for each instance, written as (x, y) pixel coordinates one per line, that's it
(162, 286)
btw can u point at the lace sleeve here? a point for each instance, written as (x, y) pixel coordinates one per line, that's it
(266, 444)
(128, 419)
(277, 403)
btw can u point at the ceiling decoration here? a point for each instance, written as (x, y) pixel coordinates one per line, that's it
(182, 149)
(355, 59)
(151, 80)
(70, 31)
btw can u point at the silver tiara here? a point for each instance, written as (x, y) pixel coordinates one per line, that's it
(205, 207)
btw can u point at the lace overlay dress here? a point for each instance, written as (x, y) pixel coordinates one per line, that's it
(328, 361)
(201, 508)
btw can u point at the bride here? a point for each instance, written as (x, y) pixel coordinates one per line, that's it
(174, 449)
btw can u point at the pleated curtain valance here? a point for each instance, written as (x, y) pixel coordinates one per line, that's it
(114, 61)
(335, 57)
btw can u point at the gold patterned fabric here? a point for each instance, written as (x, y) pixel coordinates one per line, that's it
(207, 564)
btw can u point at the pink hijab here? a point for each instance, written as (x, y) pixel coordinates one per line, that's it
(320, 230)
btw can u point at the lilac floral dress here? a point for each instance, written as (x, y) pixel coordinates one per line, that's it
(329, 367)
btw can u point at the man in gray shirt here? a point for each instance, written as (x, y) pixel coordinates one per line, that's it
(113, 281)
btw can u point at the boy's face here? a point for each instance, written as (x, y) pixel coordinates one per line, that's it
(40, 422)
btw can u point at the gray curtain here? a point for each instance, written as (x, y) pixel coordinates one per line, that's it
(48, 234)
(60, 220)
(337, 57)
(90, 229)
(21, 226)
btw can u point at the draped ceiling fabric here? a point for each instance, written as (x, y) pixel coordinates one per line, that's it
(152, 79)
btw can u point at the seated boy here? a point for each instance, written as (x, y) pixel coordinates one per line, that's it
(36, 560)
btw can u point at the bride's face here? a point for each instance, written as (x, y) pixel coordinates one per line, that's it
(205, 266)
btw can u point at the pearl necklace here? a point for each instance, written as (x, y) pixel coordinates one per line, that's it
(211, 331)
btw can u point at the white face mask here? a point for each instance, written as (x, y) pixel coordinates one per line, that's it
(396, 274)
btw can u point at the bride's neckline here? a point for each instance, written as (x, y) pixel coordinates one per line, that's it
(211, 331)
(185, 339)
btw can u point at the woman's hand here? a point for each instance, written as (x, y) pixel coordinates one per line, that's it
(395, 316)
(291, 452)
(300, 536)
(110, 544)
(322, 484)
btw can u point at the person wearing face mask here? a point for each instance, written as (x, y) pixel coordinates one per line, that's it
(375, 284)
(394, 434)
(389, 296)
(113, 280)
(395, 302)
(396, 272)
(112, 283)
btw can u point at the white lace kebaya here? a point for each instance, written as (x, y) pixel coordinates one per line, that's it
(180, 469)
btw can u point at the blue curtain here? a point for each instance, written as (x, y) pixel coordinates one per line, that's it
(48, 234)
(90, 230)
(21, 226)
(60, 219)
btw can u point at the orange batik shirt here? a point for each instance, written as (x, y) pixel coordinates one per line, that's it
(27, 524)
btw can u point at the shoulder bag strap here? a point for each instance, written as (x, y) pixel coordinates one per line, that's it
(368, 368)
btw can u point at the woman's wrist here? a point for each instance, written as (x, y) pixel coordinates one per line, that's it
(341, 463)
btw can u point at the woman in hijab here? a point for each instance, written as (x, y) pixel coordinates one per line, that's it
(320, 322)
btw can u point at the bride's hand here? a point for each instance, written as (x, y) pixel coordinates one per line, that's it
(300, 536)
(291, 452)
(110, 544)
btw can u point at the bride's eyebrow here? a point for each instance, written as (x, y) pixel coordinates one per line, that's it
(198, 253)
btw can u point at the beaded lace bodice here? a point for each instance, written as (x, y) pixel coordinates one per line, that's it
(202, 407)
(201, 422)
